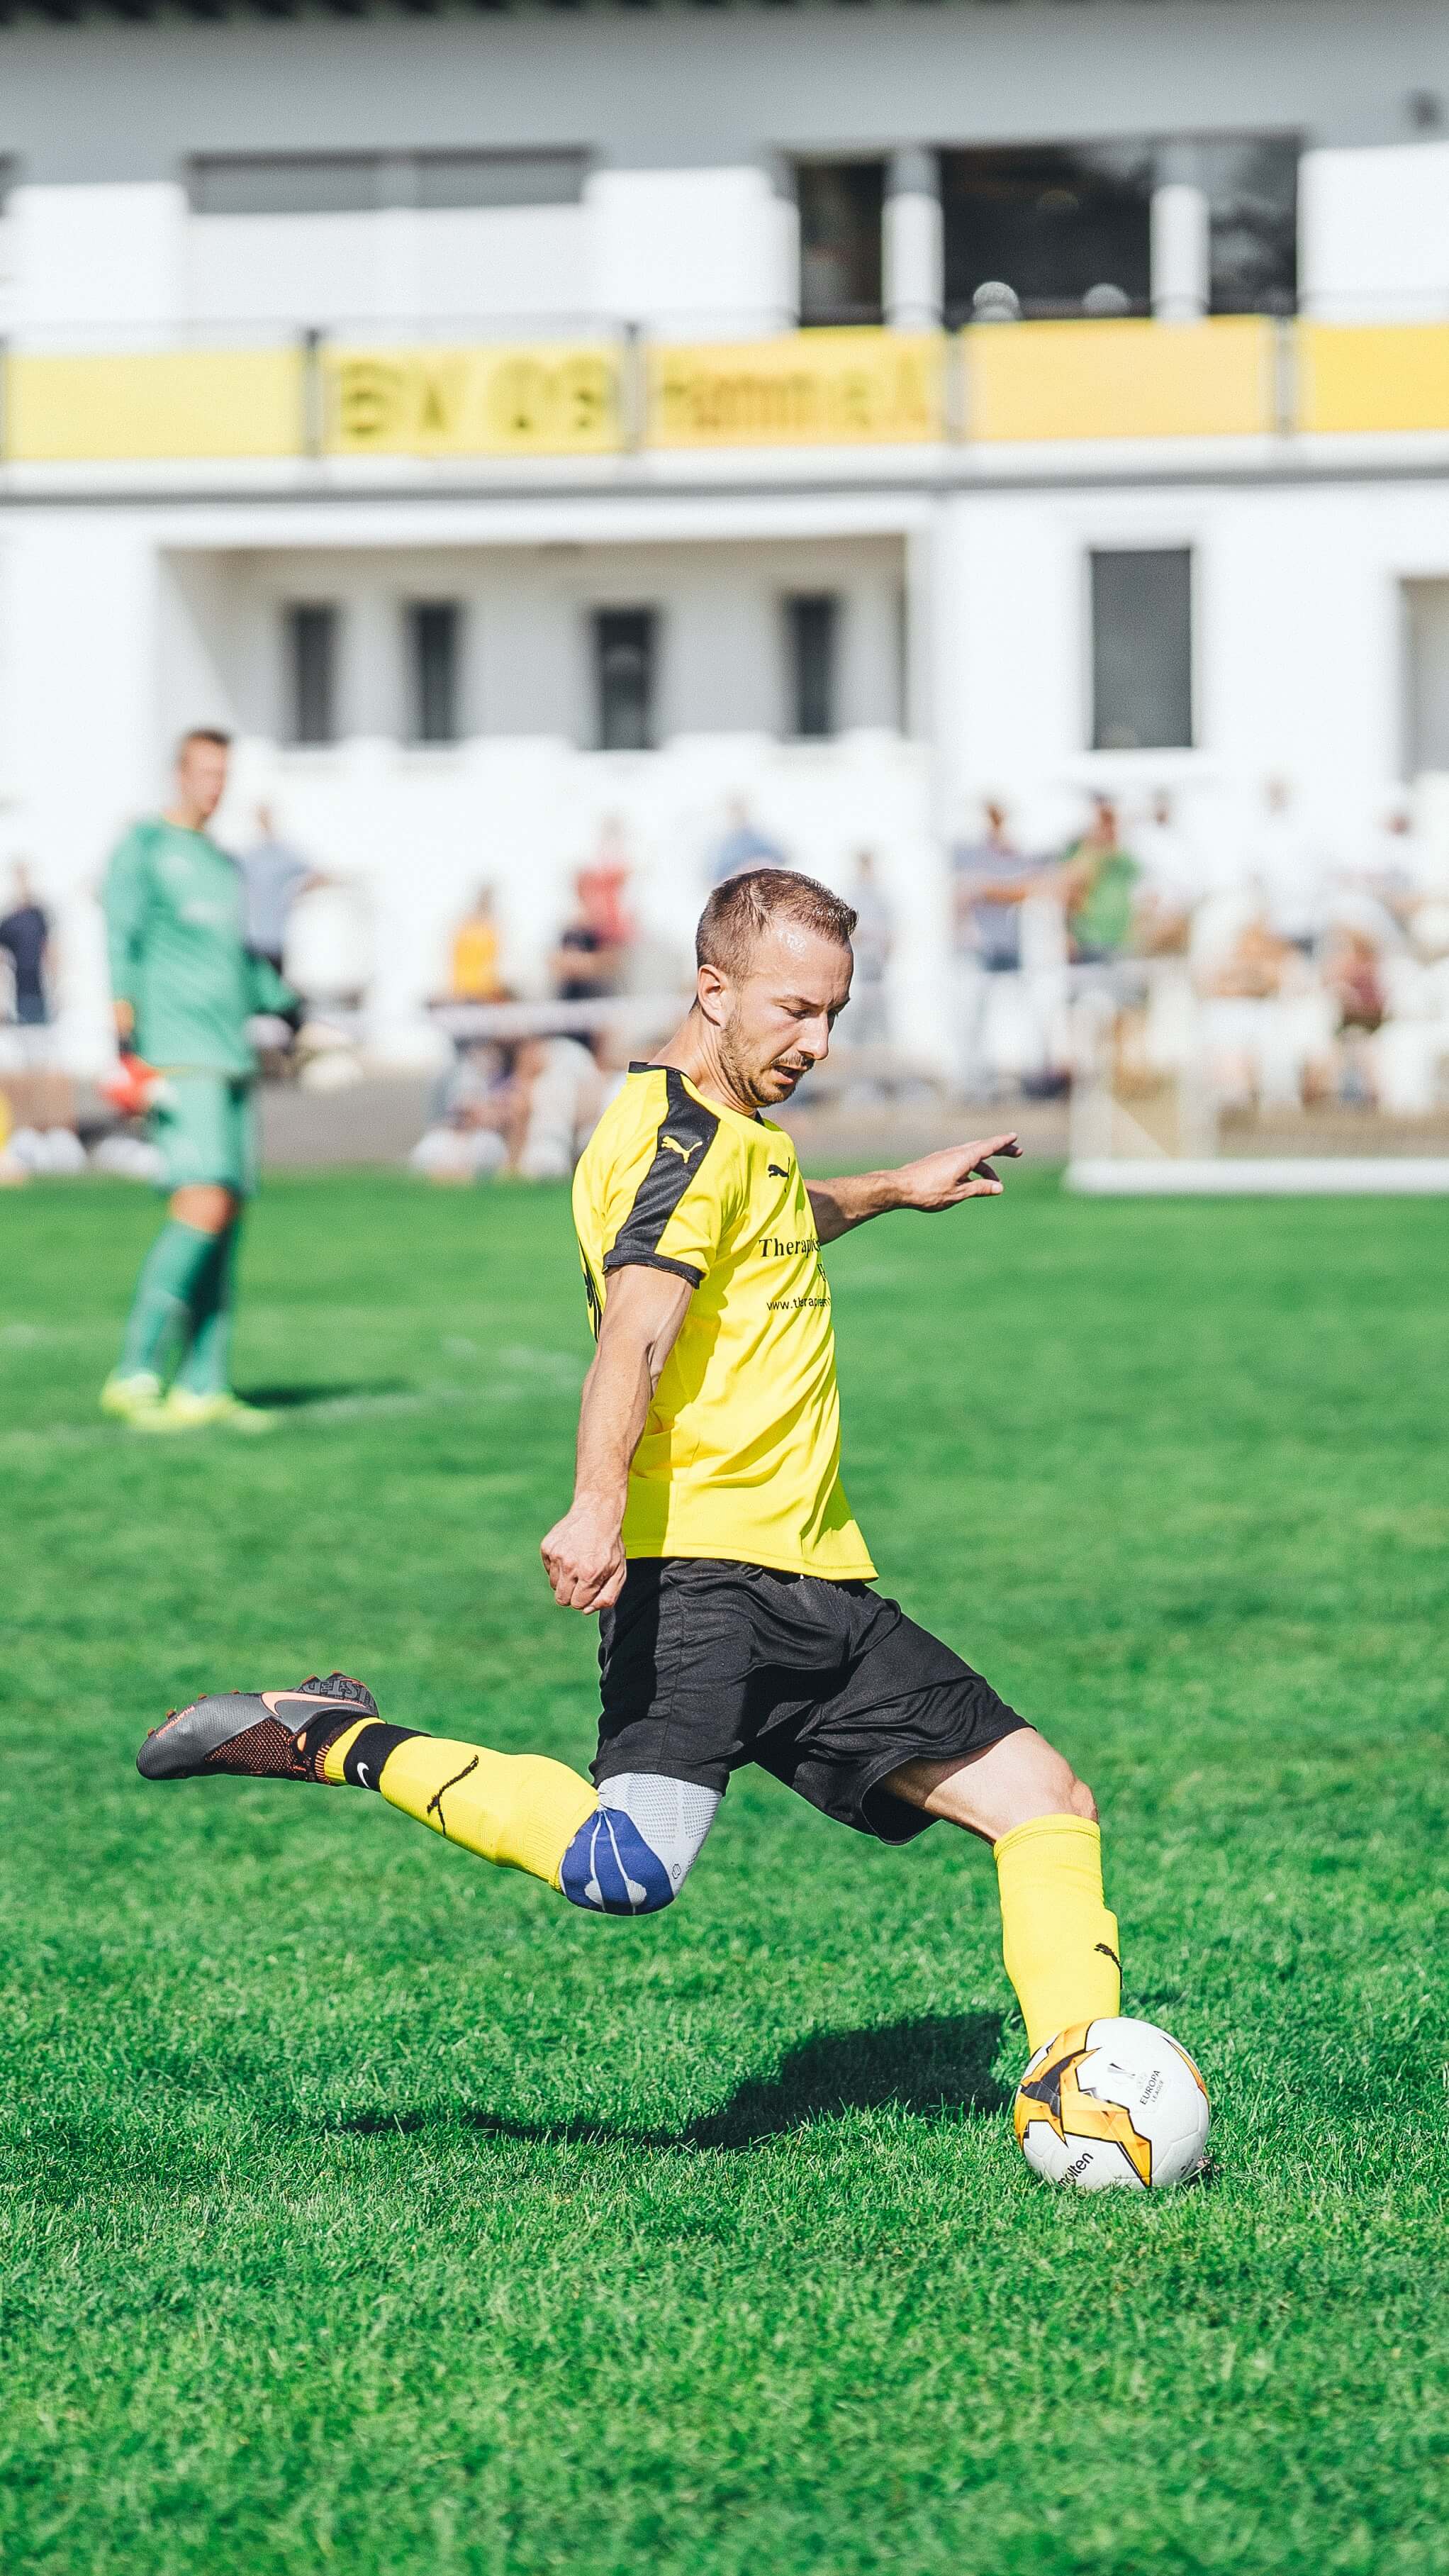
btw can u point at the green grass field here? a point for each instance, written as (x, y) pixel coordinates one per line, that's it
(364, 2208)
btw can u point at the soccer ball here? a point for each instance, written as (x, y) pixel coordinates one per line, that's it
(1112, 2102)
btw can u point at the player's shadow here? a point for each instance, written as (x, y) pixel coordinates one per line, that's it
(930, 2067)
(935, 2068)
(292, 1399)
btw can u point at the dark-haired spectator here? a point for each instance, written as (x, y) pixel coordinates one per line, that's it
(25, 938)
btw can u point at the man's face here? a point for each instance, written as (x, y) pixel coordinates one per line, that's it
(775, 1023)
(201, 778)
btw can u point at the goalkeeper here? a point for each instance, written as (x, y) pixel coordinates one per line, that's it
(184, 985)
(738, 1617)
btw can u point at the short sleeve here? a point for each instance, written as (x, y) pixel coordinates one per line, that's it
(687, 1197)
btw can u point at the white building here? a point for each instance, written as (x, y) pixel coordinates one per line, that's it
(448, 403)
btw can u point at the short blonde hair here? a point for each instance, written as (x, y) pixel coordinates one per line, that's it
(744, 907)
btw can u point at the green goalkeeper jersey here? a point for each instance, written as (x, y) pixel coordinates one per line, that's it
(173, 905)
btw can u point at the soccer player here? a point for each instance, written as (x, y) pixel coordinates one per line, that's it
(185, 985)
(708, 1527)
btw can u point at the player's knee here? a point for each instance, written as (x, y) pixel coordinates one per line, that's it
(610, 1869)
(634, 1853)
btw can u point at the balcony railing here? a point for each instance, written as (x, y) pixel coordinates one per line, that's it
(1023, 383)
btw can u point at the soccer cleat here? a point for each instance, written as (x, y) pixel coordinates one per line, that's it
(186, 1410)
(134, 1398)
(257, 1735)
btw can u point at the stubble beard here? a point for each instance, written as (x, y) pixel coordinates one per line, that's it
(749, 1080)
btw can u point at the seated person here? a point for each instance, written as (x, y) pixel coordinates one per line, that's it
(475, 967)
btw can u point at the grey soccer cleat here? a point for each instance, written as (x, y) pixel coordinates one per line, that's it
(256, 1735)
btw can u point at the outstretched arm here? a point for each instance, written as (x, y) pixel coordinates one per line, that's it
(583, 1553)
(937, 1181)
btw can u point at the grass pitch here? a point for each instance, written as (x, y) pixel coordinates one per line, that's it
(365, 2208)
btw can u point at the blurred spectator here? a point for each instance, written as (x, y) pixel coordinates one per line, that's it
(992, 880)
(744, 846)
(558, 1093)
(1170, 884)
(603, 884)
(1286, 871)
(275, 875)
(527, 1109)
(1352, 973)
(1098, 887)
(475, 958)
(872, 941)
(25, 940)
(586, 964)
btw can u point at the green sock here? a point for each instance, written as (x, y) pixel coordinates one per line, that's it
(205, 1368)
(161, 1307)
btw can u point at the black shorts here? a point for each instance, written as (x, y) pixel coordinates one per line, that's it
(706, 1665)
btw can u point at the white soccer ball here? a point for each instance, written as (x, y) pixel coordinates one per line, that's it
(1112, 2103)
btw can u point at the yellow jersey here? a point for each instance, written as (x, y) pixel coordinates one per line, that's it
(740, 1456)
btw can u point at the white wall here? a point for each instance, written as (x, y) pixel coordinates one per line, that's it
(710, 251)
(526, 631)
(107, 258)
(1299, 656)
(1374, 233)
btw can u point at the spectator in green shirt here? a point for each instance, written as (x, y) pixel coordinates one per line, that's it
(1099, 881)
(185, 985)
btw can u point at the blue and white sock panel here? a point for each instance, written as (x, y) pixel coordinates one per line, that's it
(633, 1855)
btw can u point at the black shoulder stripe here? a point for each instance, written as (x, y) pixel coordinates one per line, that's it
(686, 1132)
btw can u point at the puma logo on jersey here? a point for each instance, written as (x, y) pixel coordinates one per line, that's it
(686, 1153)
(777, 1171)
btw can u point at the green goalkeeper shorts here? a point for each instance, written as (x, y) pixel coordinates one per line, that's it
(207, 1130)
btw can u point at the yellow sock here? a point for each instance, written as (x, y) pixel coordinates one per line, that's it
(517, 1809)
(1059, 1942)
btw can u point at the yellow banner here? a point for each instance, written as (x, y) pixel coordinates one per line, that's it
(1030, 380)
(1388, 375)
(811, 389)
(541, 401)
(162, 403)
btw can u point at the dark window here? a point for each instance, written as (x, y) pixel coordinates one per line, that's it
(501, 178)
(624, 657)
(434, 629)
(312, 655)
(299, 183)
(1066, 228)
(842, 205)
(1142, 650)
(1252, 191)
(1427, 709)
(348, 183)
(811, 623)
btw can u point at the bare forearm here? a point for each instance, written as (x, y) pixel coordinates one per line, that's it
(583, 1553)
(939, 1180)
(839, 1205)
(612, 1416)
